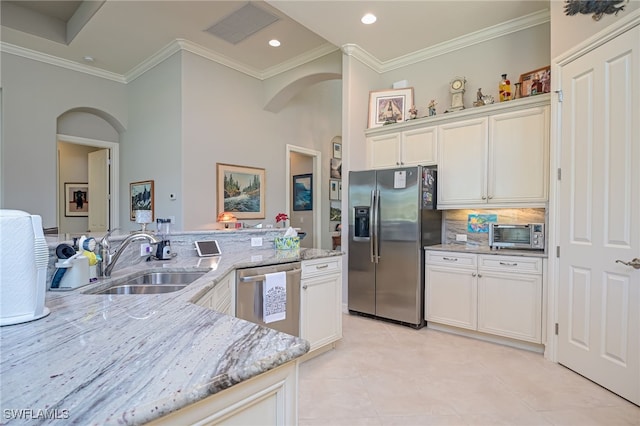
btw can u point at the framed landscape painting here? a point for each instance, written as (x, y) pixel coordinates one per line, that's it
(303, 192)
(241, 191)
(141, 198)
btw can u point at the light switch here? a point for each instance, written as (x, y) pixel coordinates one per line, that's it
(461, 237)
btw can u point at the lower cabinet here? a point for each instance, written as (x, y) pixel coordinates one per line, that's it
(495, 294)
(268, 399)
(220, 297)
(321, 301)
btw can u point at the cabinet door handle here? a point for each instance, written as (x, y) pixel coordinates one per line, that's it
(325, 266)
(450, 259)
(479, 275)
(304, 287)
(473, 274)
(508, 263)
(484, 198)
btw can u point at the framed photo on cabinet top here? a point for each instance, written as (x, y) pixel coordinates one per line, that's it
(535, 82)
(389, 106)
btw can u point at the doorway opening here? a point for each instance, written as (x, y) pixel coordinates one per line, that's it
(295, 157)
(76, 150)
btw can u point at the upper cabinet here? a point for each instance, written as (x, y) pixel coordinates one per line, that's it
(496, 155)
(398, 149)
(501, 160)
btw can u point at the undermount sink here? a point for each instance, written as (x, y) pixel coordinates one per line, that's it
(153, 283)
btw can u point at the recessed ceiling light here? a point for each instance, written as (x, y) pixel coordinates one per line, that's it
(88, 59)
(274, 43)
(368, 19)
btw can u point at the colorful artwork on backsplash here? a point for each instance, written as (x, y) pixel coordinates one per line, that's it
(479, 223)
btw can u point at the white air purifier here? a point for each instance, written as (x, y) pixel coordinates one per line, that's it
(24, 257)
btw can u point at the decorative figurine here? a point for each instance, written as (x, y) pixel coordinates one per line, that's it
(413, 112)
(482, 99)
(456, 87)
(432, 107)
(504, 89)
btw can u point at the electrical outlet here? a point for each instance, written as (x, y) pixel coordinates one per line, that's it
(145, 249)
(256, 242)
(461, 237)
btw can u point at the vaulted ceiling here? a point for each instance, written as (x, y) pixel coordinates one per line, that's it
(118, 36)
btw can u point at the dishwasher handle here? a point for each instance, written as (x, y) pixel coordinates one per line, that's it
(262, 277)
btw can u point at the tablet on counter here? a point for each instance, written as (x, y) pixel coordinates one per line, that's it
(208, 248)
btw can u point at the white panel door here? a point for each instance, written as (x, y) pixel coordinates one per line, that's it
(599, 211)
(99, 190)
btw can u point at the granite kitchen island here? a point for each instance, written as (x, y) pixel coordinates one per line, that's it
(132, 359)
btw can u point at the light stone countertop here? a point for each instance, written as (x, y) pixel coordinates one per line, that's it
(129, 359)
(480, 249)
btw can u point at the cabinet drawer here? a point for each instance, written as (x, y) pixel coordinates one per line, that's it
(327, 265)
(529, 265)
(451, 258)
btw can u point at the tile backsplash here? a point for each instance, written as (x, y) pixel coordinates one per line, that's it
(457, 222)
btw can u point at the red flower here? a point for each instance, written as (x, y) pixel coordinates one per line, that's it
(281, 217)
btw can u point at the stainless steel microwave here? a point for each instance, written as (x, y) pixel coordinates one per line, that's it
(529, 236)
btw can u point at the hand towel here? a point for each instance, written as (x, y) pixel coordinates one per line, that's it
(274, 300)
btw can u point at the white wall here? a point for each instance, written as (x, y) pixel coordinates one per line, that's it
(34, 95)
(568, 31)
(150, 149)
(224, 122)
(482, 65)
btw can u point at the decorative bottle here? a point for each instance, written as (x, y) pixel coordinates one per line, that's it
(504, 89)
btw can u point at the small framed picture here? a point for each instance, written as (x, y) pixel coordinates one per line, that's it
(335, 186)
(336, 169)
(76, 199)
(535, 82)
(337, 147)
(141, 197)
(389, 106)
(303, 192)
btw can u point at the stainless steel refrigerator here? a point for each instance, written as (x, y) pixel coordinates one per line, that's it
(392, 216)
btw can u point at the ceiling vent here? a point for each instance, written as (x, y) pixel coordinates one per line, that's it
(242, 23)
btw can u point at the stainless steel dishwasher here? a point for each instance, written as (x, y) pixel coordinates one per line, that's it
(249, 296)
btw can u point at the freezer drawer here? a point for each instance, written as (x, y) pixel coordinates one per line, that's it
(249, 296)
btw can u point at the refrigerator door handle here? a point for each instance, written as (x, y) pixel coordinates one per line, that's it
(376, 226)
(372, 216)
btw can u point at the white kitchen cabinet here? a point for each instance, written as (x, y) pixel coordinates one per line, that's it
(321, 301)
(407, 148)
(451, 289)
(268, 399)
(518, 161)
(220, 297)
(501, 160)
(462, 163)
(494, 294)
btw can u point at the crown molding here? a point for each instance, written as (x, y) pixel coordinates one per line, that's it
(467, 40)
(196, 49)
(518, 24)
(63, 63)
(306, 57)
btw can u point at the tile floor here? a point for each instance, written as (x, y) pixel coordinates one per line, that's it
(385, 374)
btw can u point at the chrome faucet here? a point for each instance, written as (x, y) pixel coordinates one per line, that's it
(108, 260)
